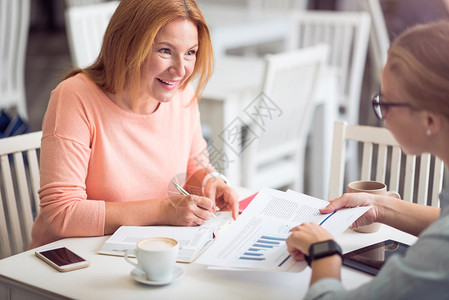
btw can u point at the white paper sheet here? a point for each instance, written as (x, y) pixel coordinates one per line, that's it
(257, 239)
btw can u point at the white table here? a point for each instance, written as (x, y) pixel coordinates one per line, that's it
(24, 276)
(235, 83)
(232, 26)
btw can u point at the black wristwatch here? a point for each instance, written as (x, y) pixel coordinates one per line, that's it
(322, 249)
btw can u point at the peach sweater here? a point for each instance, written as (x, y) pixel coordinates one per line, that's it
(93, 151)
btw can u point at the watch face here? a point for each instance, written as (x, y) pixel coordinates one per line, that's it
(321, 247)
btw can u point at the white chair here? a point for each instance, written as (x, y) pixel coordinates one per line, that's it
(378, 45)
(379, 39)
(261, 7)
(277, 136)
(378, 49)
(277, 5)
(19, 200)
(69, 3)
(14, 25)
(86, 26)
(347, 34)
(382, 161)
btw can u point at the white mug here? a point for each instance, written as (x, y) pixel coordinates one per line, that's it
(156, 257)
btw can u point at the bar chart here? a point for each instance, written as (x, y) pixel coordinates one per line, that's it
(264, 248)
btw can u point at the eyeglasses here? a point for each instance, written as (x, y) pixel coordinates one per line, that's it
(381, 108)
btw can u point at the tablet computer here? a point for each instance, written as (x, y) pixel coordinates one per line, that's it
(371, 258)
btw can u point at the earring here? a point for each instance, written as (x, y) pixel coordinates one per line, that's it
(429, 132)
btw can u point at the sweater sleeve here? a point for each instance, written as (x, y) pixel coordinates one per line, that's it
(65, 154)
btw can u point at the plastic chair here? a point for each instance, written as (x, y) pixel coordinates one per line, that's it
(417, 179)
(19, 200)
(14, 23)
(379, 39)
(86, 26)
(276, 138)
(69, 3)
(378, 48)
(347, 34)
(277, 5)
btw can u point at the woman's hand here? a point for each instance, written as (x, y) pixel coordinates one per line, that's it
(225, 197)
(298, 245)
(354, 200)
(304, 235)
(191, 210)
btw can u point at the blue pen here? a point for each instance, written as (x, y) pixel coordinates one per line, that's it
(328, 217)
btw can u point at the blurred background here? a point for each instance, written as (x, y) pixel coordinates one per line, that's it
(243, 31)
(48, 56)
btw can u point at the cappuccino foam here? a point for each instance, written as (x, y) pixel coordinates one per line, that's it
(157, 244)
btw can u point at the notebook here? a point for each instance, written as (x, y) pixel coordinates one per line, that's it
(192, 240)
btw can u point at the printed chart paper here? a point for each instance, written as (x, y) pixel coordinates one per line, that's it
(256, 240)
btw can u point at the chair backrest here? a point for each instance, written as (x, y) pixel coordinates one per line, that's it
(86, 26)
(14, 25)
(19, 200)
(81, 2)
(281, 115)
(347, 34)
(417, 179)
(277, 5)
(379, 39)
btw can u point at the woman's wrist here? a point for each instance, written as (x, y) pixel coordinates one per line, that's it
(383, 205)
(326, 267)
(215, 175)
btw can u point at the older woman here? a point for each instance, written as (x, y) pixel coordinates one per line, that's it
(414, 102)
(117, 132)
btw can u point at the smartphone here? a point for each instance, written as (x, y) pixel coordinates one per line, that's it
(62, 259)
(371, 258)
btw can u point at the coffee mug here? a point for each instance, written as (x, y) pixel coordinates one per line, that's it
(376, 256)
(372, 187)
(156, 257)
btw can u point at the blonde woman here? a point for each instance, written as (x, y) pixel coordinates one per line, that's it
(116, 132)
(414, 102)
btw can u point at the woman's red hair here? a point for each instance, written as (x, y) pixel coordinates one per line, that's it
(129, 38)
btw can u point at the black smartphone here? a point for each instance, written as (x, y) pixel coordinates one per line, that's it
(62, 259)
(371, 258)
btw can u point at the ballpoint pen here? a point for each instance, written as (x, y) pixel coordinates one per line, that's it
(185, 193)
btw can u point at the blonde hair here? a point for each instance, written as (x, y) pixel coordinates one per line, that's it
(129, 38)
(419, 58)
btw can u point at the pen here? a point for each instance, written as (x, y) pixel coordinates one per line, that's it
(328, 217)
(185, 193)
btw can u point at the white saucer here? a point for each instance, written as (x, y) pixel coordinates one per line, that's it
(139, 275)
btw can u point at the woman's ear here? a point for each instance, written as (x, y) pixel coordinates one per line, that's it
(433, 123)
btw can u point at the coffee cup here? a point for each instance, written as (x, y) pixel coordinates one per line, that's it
(156, 257)
(372, 187)
(376, 256)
